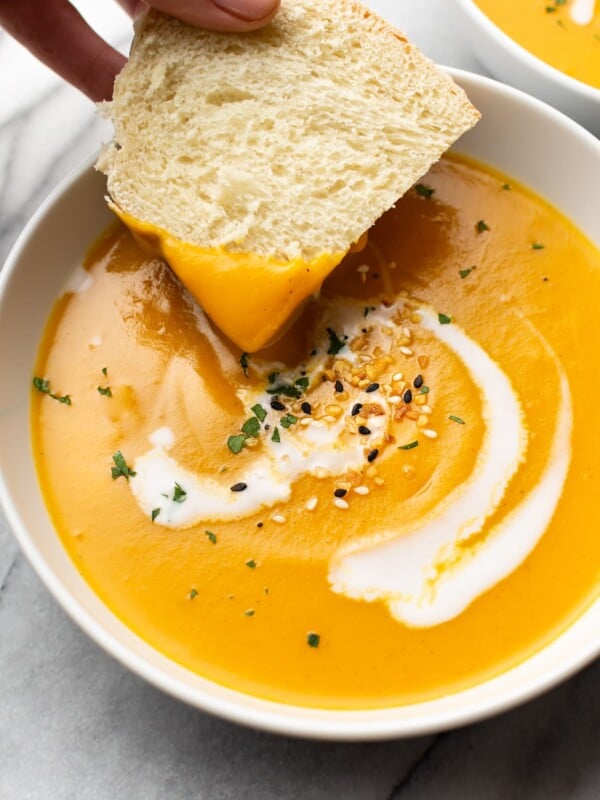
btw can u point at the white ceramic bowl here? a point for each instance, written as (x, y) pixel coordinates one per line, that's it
(563, 165)
(515, 65)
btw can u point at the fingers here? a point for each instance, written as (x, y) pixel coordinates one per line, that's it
(220, 15)
(56, 33)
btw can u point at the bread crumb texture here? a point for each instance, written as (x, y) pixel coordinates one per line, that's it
(289, 141)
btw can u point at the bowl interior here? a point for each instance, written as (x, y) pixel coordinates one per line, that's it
(518, 135)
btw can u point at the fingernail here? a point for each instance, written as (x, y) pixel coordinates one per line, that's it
(250, 10)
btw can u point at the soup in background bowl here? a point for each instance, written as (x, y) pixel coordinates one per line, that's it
(273, 638)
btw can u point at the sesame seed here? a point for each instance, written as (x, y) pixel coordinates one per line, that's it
(259, 524)
(378, 481)
(279, 518)
(406, 332)
(306, 408)
(407, 397)
(339, 503)
(363, 268)
(372, 387)
(418, 382)
(425, 409)
(406, 351)
(340, 493)
(361, 490)
(328, 418)
(356, 409)
(277, 405)
(239, 487)
(312, 503)
(397, 376)
(429, 433)
(306, 421)
(363, 430)
(372, 456)
(339, 386)
(394, 399)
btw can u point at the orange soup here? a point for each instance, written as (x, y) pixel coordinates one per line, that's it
(563, 33)
(389, 504)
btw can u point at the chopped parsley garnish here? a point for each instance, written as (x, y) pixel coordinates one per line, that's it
(424, 191)
(105, 390)
(409, 446)
(179, 494)
(43, 386)
(154, 514)
(249, 612)
(121, 469)
(251, 563)
(260, 412)
(424, 389)
(444, 319)
(367, 310)
(551, 9)
(335, 343)
(464, 273)
(193, 593)
(457, 419)
(212, 537)
(302, 383)
(288, 420)
(105, 371)
(276, 437)
(251, 427)
(313, 639)
(537, 246)
(272, 377)
(236, 443)
(506, 187)
(244, 363)
(286, 389)
(482, 226)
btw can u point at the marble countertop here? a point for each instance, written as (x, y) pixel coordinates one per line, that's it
(75, 724)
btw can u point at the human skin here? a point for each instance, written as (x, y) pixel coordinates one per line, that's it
(55, 32)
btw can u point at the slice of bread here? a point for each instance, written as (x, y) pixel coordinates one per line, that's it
(287, 142)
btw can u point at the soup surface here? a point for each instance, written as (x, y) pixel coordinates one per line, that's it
(389, 504)
(563, 33)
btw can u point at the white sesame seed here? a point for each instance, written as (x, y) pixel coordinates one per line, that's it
(406, 332)
(328, 418)
(406, 351)
(320, 472)
(278, 518)
(394, 400)
(339, 503)
(429, 433)
(361, 489)
(426, 409)
(305, 421)
(363, 268)
(312, 503)
(397, 376)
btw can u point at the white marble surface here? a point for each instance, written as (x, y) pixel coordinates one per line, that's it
(75, 724)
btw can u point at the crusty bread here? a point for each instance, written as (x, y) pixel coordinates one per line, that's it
(288, 141)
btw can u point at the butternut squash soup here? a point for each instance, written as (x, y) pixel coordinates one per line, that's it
(388, 504)
(563, 33)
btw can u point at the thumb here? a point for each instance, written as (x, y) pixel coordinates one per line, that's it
(220, 15)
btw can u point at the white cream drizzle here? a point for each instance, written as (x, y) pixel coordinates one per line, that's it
(582, 11)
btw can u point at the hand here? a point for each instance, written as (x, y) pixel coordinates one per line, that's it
(55, 32)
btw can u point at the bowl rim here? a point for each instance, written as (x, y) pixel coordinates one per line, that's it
(266, 715)
(520, 53)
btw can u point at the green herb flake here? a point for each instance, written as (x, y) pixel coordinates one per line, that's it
(154, 514)
(121, 469)
(212, 537)
(43, 386)
(335, 343)
(260, 412)
(251, 563)
(457, 419)
(193, 593)
(249, 612)
(537, 246)
(409, 446)
(236, 443)
(424, 191)
(251, 427)
(482, 226)
(288, 420)
(424, 389)
(464, 273)
(367, 310)
(179, 494)
(551, 9)
(276, 437)
(272, 377)
(444, 319)
(302, 383)
(105, 371)
(105, 390)
(313, 639)
(507, 187)
(244, 363)
(285, 389)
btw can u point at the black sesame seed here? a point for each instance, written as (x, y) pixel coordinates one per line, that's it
(418, 382)
(339, 387)
(267, 427)
(363, 430)
(407, 396)
(340, 492)
(356, 409)
(372, 387)
(372, 455)
(364, 330)
(306, 408)
(277, 405)
(303, 372)
(259, 524)
(313, 352)
(239, 487)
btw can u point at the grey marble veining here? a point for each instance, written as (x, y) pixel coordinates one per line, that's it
(76, 725)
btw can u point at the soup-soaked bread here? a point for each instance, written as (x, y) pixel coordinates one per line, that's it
(287, 142)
